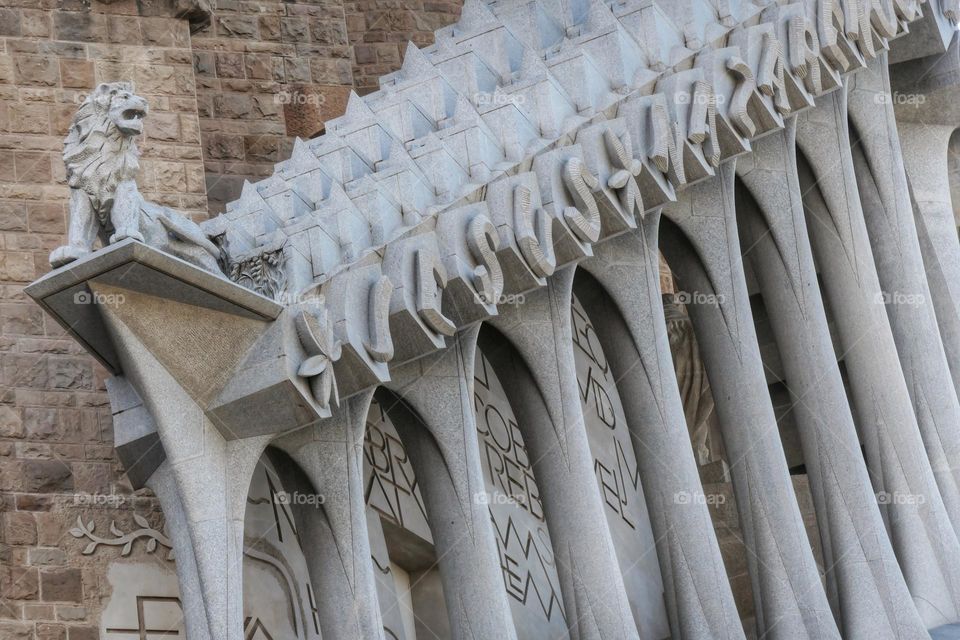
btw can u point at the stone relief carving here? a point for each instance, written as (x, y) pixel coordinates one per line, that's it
(144, 602)
(322, 348)
(618, 478)
(120, 538)
(262, 272)
(390, 485)
(102, 161)
(278, 601)
(523, 540)
(326, 208)
(692, 380)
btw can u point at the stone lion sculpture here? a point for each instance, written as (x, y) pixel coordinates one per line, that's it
(102, 163)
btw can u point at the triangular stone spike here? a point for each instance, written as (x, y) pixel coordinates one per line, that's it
(474, 16)
(357, 109)
(415, 63)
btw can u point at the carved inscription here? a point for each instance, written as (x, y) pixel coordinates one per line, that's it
(618, 478)
(526, 553)
(278, 601)
(390, 486)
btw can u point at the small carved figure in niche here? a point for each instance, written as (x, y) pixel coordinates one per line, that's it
(101, 158)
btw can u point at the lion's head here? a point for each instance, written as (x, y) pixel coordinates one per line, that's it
(99, 151)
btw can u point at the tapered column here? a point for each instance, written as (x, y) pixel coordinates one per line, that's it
(888, 212)
(919, 527)
(594, 596)
(338, 554)
(443, 449)
(633, 335)
(925, 148)
(211, 476)
(701, 245)
(164, 485)
(865, 584)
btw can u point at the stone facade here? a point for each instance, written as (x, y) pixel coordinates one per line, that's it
(228, 91)
(593, 322)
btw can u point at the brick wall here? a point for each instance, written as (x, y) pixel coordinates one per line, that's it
(266, 72)
(55, 431)
(380, 29)
(225, 103)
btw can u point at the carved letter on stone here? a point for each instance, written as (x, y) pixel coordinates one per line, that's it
(584, 219)
(741, 96)
(483, 241)
(804, 50)
(703, 121)
(628, 169)
(534, 232)
(431, 279)
(322, 347)
(770, 77)
(380, 344)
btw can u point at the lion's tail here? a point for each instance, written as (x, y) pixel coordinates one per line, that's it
(187, 230)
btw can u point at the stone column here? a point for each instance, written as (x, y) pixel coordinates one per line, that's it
(885, 199)
(164, 485)
(594, 597)
(211, 474)
(442, 444)
(925, 148)
(699, 602)
(868, 603)
(700, 243)
(338, 553)
(918, 524)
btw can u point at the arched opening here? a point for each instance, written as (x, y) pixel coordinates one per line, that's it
(404, 560)
(506, 397)
(703, 424)
(278, 596)
(615, 460)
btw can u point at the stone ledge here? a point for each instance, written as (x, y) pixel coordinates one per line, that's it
(65, 292)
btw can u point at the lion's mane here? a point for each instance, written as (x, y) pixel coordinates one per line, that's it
(97, 155)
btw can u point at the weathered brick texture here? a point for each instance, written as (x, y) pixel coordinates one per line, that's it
(266, 72)
(226, 101)
(379, 31)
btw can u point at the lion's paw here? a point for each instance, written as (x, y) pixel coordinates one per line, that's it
(123, 234)
(66, 254)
